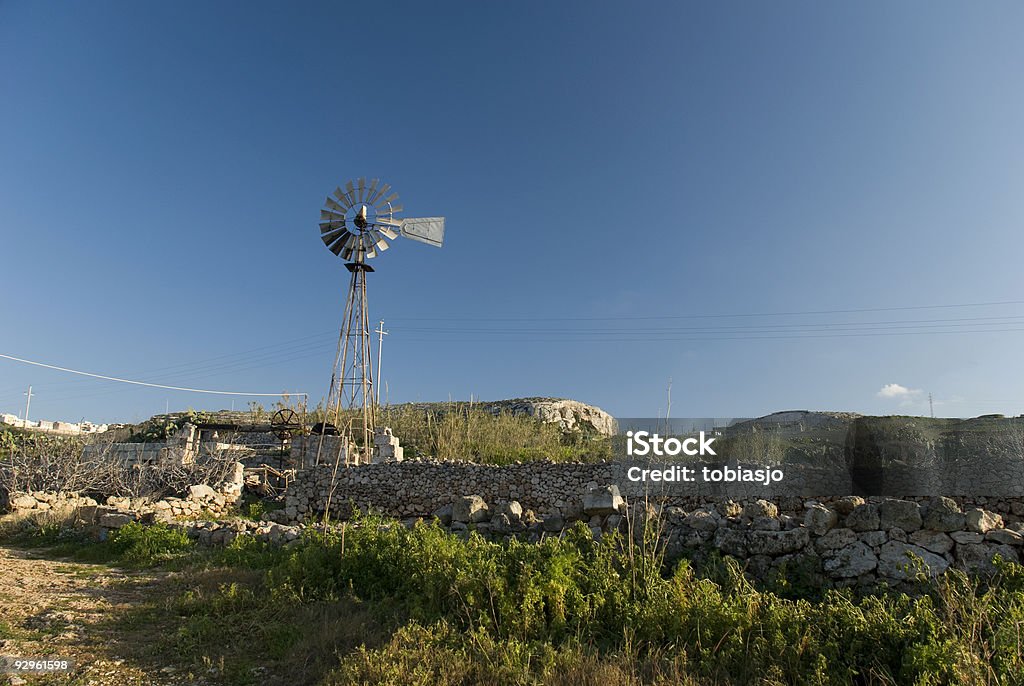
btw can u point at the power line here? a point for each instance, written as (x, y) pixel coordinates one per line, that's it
(759, 328)
(143, 383)
(715, 316)
(695, 339)
(204, 366)
(111, 388)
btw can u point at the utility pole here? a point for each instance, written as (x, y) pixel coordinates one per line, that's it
(381, 333)
(668, 408)
(28, 403)
(931, 406)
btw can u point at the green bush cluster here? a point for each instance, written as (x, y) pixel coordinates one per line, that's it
(518, 602)
(136, 545)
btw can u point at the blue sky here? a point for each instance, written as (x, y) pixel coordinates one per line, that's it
(605, 172)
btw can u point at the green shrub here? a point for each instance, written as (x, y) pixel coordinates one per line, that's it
(576, 596)
(139, 545)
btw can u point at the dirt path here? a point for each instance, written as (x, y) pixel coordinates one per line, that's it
(56, 609)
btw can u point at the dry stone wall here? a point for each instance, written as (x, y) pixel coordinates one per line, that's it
(199, 500)
(420, 487)
(845, 540)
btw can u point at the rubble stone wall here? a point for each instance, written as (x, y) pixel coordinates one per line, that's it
(420, 487)
(199, 500)
(846, 540)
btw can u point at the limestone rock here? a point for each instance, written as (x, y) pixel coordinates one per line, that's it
(850, 561)
(469, 509)
(729, 508)
(899, 514)
(766, 524)
(570, 415)
(604, 500)
(977, 558)
(702, 520)
(760, 508)
(115, 520)
(777, 542)
(1004, 536)
(966, 537)
(943, 514)
(900, 561)
(201, 492)
(983, 521)
(444, 514)
(835, 539)
(553, 523)
(511, 509)
(873, 538)
(819, 519)
(22, 502)
(846, 504)
(935, 541)
(501, 524)
(732, 542)
(863, 517)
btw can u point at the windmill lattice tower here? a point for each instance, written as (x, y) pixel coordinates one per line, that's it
(356, 224)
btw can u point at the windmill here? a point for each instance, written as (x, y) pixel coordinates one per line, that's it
(356, 223)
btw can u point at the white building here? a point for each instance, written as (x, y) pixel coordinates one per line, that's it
(66, 428)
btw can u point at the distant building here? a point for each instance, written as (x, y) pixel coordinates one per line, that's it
(66, 428)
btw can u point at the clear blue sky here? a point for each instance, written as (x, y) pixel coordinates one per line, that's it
(162, 167)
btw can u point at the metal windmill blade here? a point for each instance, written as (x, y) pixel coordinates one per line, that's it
(379, 242)
(331, 236)
(343, 243)
(342, 198)
(379, 193)
(387, 221)
(331, 216)
(371, 191)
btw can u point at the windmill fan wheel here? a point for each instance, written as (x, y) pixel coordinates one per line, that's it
(284, 422)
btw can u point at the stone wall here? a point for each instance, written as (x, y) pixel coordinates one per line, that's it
(198, 500)
(845, 540)
(421, 487)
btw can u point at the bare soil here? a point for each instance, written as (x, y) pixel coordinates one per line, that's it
(55, 609)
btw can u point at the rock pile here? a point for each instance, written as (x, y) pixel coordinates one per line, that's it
(200, 499)
(45, 500)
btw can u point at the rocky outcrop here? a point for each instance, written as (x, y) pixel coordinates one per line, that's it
(570, 415)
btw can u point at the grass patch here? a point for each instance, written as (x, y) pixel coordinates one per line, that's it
(461, 431)
(388, 605)
(133, 545)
